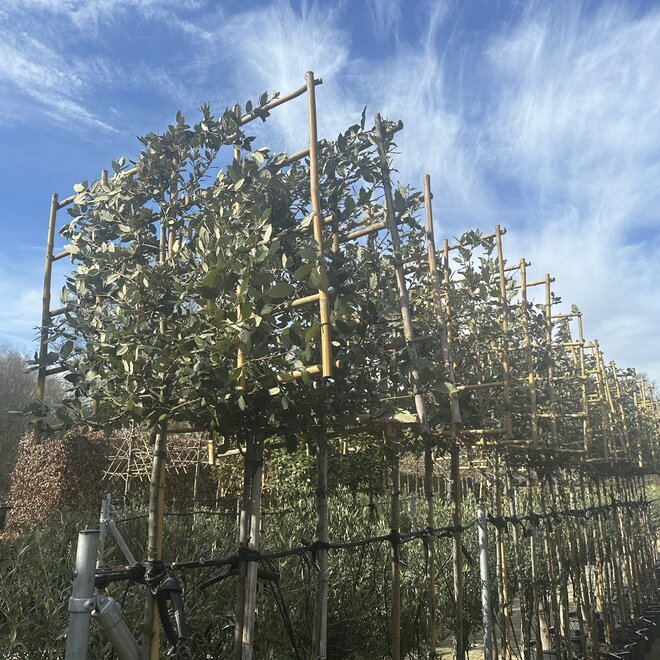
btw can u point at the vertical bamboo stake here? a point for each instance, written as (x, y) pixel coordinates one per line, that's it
(590, 590)
(320, 628)
(580, 594)
(551, 365)
(508, 427)
(151, 628)
(534, 569)
(249, 535)
(626, 559)
(503, 580)
(641, 417)
(317, 224)
(611, 419)
(562, 574)
(457, 548)
(395, 513)
(129, 462)
(603, 589)
(524, 616)
(445, 343)
(552, 575)
(604, 410)
(621, 411)
(244, 520)
(402, 286)
(586, 428)
(529, 357)
(150, 643)
(250, 610)
(613, 553)
(436, 288)
(656, 427)
(45, 316)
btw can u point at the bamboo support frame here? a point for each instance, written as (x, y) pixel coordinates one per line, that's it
(402, 286)
(621, 564)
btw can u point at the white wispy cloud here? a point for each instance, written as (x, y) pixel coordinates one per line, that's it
(576, 125)
(549, 123)
(45, 74)
(89, 14)
(385, 17)
(46, 81)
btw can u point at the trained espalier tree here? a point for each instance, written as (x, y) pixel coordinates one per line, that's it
(209, 276)
(180, 265)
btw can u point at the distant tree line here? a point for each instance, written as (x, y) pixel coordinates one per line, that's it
(16, 392)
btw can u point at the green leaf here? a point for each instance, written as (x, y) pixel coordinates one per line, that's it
(280, 290)
(405, 417)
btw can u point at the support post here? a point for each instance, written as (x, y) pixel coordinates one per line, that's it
(457, 550)
(103, 527)
(529, 356)
(320, 630)
(81, 602)
(249, 539)
(508, 424)
(45, 317)
(402, 286)
(151, 627)
(395, 514)
(485, 581)
(317, 225)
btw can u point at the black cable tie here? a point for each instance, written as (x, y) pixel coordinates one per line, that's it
(248, 554)
(160, 453)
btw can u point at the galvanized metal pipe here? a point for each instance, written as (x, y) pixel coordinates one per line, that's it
(81, 602)
(485, 581)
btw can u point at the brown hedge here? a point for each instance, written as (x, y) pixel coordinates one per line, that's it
(55, 475)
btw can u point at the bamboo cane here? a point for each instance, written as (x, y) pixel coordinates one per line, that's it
(320, 628)
(317, 224)
(250, 610)
(402, 286)
(457, 550)
(554, 600)
(503, 580)
(603, 583)
(445, 344)
(517, 557)
(395, 514)
(586, 427)
(620, 410)
(508, 427)
(551, 366)
(562, 573)
(45, 317)
(529, 357)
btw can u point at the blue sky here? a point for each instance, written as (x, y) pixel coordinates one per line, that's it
(541, 116)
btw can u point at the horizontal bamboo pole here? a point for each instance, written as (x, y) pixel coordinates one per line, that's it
(485, 237)
(479, 386)
(534, 283)
(56, 370)
(61, 255)
(300, 154)
(299, 302)
(59, 310)
(365, 231)
(570, 315)
(508, 269)
(474, 432)
(578, 415)
(280, 100)
(245, 119)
